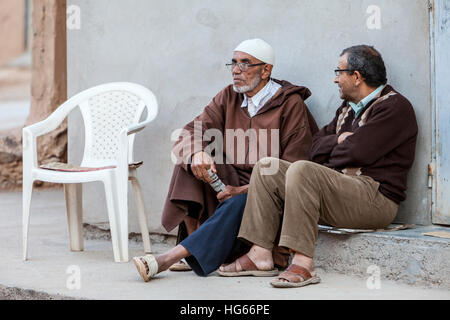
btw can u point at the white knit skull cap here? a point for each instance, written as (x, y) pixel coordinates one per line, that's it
(259, 49)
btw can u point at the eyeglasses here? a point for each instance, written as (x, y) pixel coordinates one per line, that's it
(243, 66)
(337, 72)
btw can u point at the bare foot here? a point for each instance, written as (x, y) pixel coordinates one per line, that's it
(261, 257)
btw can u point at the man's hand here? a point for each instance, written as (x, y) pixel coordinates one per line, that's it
(201, 162)
(344, 136)
(231, 191)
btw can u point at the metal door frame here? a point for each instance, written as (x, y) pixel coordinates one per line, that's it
(439, 169)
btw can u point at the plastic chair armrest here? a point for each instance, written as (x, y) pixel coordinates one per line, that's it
(137, 127)
(29, 150)
(53, 120)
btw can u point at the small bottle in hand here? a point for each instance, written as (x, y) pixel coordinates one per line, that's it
(216, 183)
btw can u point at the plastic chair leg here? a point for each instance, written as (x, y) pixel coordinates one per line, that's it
(113, 211)
(137, 191)
(74, 205)
(122, 218)
(27, 190)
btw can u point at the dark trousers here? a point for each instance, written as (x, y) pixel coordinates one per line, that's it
(215, 241)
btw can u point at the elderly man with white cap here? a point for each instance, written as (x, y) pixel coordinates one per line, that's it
(255, 102)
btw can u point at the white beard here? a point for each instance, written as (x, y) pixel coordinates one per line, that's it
(255, 82)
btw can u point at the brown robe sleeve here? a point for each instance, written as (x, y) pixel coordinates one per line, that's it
(190, 140)
(296, 131)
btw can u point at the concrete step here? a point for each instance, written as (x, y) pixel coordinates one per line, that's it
(405, 256)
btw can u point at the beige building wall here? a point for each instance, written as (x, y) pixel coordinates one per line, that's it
(12, 29)
(178, 50)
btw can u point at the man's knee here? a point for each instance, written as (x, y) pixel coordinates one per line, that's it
(267, 166)
(265, 162)
(301, 170)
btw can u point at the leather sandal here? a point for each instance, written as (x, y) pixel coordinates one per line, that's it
(147, 266)
(180, 266)
(248, 269)
(297, 276)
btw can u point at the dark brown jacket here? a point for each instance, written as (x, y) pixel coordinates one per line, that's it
(382, 145)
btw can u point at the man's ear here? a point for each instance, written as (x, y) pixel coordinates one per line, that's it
(267, 71)
(358, 77)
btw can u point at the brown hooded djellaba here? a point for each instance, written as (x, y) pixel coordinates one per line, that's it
(285, 111)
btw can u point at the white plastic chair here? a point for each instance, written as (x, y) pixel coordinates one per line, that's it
(111, 114)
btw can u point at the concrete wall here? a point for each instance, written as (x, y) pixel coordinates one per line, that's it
(178, 49)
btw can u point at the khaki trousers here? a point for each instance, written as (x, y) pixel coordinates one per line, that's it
(303, 194)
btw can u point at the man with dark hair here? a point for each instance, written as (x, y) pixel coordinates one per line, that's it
(368, 62)
(356, 179)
